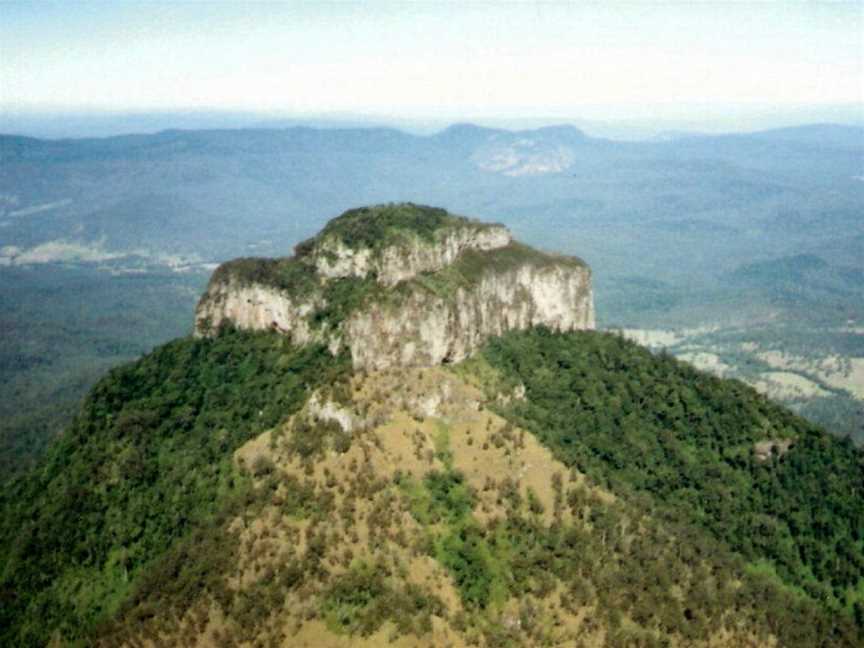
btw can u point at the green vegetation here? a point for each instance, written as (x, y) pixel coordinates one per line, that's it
(376, 227)
(126, 527)
(287, 274)
(62, 329)
(450, 498)
(380, 226)
(650, 578)
(473, 265)
(342, 297)
(147, 462)
(443, 503)
(309, 439)
(362, 599)
(648, 575)
(652, 426)
(199, 565)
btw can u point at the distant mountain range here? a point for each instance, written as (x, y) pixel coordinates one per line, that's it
(203, 196)
(636, 123)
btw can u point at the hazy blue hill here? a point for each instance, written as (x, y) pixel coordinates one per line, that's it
(282, 182)
(804, 278)
(788, 268)
(806, 160)
(470, 134)
(17, 146)
(820, 135)
(466, 134)
(565, 132)
(161, 223)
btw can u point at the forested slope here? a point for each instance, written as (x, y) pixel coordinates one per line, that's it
(147, 461)
(653, 426)
(623, 498)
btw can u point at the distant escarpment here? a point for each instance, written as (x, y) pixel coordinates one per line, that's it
(400, 285)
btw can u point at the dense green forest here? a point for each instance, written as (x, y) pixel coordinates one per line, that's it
(648, 425)
(124, 520)
(146, 463)
(63, 328)
(378, 227)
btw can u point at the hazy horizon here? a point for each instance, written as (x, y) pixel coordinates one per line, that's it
(724, 119)
(690, 65)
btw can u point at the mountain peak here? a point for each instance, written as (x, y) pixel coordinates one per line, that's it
(400, 285)
(467, 132)
(567, 131)
(378, 232)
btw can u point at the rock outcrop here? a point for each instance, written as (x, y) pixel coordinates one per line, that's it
(406, 259)
(401, 285)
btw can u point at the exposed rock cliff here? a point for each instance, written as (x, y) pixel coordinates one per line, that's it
(407, 258)
(401, 285)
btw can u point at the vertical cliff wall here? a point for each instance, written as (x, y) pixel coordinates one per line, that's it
(403, 294)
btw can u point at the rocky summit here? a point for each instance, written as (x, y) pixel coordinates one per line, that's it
(401, 285)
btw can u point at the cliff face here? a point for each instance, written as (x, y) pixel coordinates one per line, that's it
(407, 259)
(430, 330)
(408, 296)
(256, 307)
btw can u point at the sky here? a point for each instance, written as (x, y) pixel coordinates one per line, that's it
(429, 59)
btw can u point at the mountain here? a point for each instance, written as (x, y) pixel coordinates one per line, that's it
(825, 135)
(549, 484)
(136, 193)
(401, 285)
(664, 225)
